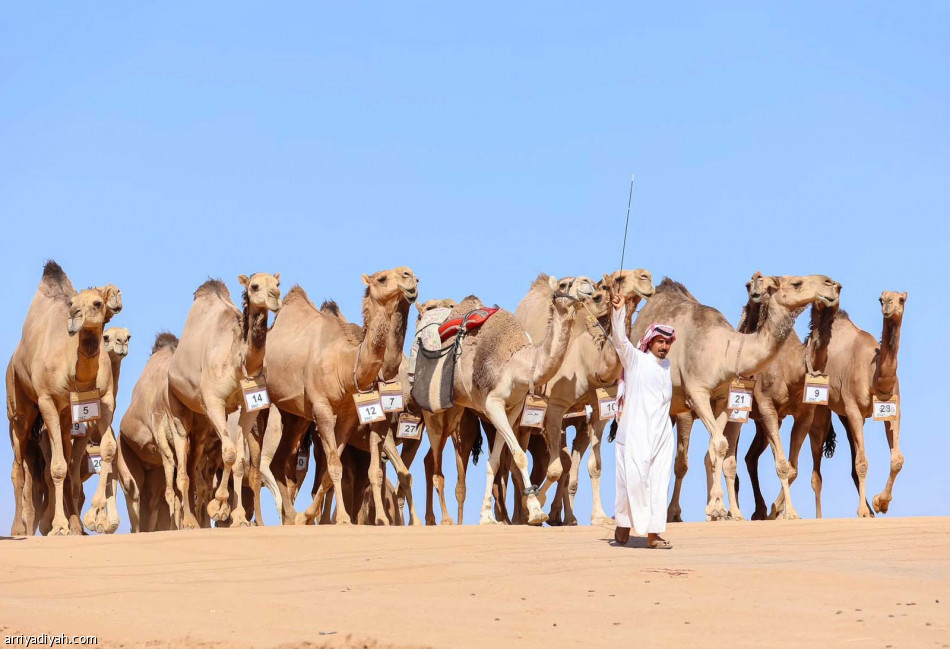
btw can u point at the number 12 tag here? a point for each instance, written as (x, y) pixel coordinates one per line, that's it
(255, 394)
(368, 407)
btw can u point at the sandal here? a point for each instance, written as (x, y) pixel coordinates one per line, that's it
(660, 544)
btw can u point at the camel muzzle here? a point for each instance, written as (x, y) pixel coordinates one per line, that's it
(76, 321)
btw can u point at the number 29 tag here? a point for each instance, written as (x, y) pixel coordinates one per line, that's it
(369, 408)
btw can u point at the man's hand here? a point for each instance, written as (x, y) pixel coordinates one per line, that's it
(617, 300)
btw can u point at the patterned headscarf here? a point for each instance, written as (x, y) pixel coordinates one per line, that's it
(653, 331)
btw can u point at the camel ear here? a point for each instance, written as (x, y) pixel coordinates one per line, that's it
(552, 283)
(451, 304)
(774, 282)
(905, 296)
(277, 277)
(365, 279)
(244, 279)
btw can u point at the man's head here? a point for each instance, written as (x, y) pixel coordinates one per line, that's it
(657, 339)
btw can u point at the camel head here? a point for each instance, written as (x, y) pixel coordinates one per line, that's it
(113, 300)
(116, 341)
(761, 287)
(892, 305)
(633, 285)
(392, 287)
(428, 305)
(262, 290)
(599, 303)
(798, 291)
(576, 288)
(87, 310)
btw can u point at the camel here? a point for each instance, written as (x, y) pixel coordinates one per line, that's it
(709, 354)
(146, 460)
(860, 369)
(219, 346)
(319, 363)
(777, 393)
(498, 366)
(589, 363)
(59, 353)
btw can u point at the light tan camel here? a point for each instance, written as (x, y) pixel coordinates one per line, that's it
(319, 364)
(860, 369)
(146, 444)
(497, 368)
(59, 353)
(589, 363)
(777, 393)
(709, 354)
(220, 345)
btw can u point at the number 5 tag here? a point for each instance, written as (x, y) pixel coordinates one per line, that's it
(368, 407)
(84, 405)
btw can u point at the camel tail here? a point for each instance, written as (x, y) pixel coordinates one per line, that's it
(477, 447)
(612, 435)
(831, 441)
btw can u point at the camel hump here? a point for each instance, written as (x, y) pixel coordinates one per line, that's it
(213, 287)
(330, 307)
(55, 282)
(165, 339)
(672, 286)
(541, 280)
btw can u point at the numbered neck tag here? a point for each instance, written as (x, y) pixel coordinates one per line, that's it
(368, 407)
(607, 402)
(78, 429)
(390, 393)
(84, 405)
(255, 394)
(816, 390)
(886, 409)
(410, 427)
(95, 463)
(533, 414)
(741, 416)
(303, 460)
(740, 395)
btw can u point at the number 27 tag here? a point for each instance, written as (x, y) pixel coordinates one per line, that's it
(369, 408)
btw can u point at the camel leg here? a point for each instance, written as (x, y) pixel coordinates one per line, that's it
(255, 476)
(57, 465)
(732, 431)
(132, 479)
(437, 429)
(598, 516)
(19, 432)
(375, 472)
(854, 424)
(154, 495)
(684, 426)
(578, 447)
(893, 429)
(557, 459)
(323, 416)
(242, 437)
(718, 447)
(758, 446)
(463, 450)
(75, 458)
(103, 515)
(30, 504)
(272, 434)
(219, 509)
(403, 475)
(503, 422)
(165, 434)
(409, 449)
(186, 461)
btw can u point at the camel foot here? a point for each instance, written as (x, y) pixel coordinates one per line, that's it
(775, 512)
(219, 510)
(736, 517)
(537, 517)
(430, 520)
(487, 519)
(382, 521)
(865, 512)
(789, 515)
(18, 529)
(447, 521)
(674, 518)
(415, 521)
(760, 514)
(881, 503)
(60, 527)
(75, 526)
(570, 521)
(239, 518)
(189, 522)
(303, 519)
(603, 520)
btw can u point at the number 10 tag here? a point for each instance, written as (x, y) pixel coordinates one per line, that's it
(368, 407)
(607, 402)
(816, 390)
(533, 414)
(390, 393)
(255, 394)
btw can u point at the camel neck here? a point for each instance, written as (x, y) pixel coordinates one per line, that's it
(550, 353)
(757, 349)
(885, 376)
(116, 363)
(395, 338)
(254, 329)
(371, 352)
(85, 351)
(819, 337)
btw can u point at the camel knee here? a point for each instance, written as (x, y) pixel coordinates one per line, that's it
(729, 467)
(783, 469)
(521, 461)
(816, 482)
(861, 468)
(228, 454)
(58, 470)
(897, 463)
(680, 468)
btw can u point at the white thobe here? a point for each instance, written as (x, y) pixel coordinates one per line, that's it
(645, 441)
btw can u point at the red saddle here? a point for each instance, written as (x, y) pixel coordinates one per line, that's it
(468, 322)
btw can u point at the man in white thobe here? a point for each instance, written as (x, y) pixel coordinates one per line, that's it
(645, 440)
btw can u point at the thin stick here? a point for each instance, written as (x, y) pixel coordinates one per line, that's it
(627, 224)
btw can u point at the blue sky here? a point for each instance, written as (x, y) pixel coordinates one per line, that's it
(153, 147)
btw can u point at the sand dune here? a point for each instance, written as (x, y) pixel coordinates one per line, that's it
(860, 583)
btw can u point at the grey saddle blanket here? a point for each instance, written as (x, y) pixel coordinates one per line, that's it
(434, 381)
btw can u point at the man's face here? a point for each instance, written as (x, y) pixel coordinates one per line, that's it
(660, 346)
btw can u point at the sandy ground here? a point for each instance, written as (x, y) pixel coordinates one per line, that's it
(847, 583)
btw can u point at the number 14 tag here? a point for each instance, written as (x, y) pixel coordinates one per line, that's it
(255, 394)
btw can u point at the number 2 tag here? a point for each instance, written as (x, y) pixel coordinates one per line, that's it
(368, 407)
(816, 390)
(255, 394)
(886, 409)
(391, 396)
